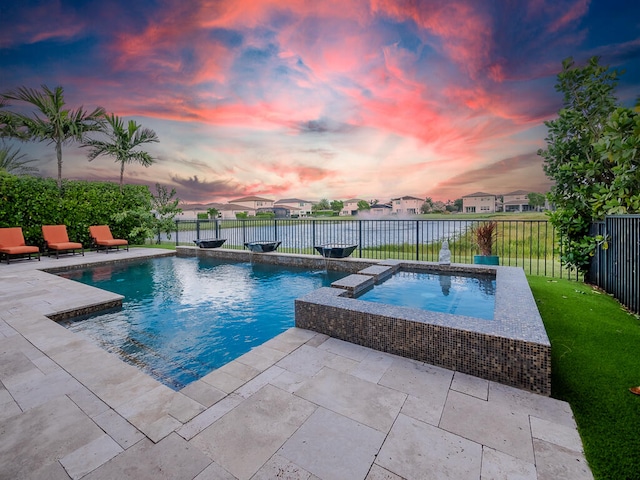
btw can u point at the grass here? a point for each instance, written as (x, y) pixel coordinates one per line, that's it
(166, 246)
(595, 359)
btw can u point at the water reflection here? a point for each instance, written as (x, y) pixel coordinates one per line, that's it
(445, 284)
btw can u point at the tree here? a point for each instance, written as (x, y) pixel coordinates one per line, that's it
(12, 161)
(427, 206)
(337, 206)
(457, 203)
(122, 143)
(536, 200)
(321, 205)
(165, 203)
(618, 150)
(212, 212)
(571, 159)
(439, 207)
(363, 205)
(56, 125)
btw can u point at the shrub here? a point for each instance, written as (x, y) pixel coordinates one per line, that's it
(30, 202)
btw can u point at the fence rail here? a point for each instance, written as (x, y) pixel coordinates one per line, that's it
(530, 244)
(616, 269)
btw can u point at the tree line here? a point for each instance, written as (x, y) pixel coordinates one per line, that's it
(52, 122)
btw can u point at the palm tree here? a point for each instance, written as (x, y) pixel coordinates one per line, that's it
(55, 124)
(122, 142)
(11, 161)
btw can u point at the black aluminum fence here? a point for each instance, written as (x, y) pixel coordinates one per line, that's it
(530, 244)
(616, 269)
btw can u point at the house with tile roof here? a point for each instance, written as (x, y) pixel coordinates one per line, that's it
(479, 202)
(406, 205)
(296, 206)
(226, 211)
(517, 201)
(381, 209)
(350, 207)
(253, 203)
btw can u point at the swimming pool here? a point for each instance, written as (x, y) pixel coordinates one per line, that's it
(183, 317)
(457, 294)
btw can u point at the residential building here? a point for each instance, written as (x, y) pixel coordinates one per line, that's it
(253, 203)
(296, 206)
(381, 209)
(350, 207)
(406, 205)
(517, 201)
(479, 202)
(225, 210)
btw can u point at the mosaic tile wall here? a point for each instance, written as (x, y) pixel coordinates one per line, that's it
(513, 349)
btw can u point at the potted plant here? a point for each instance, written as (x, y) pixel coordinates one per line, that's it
(484, 236)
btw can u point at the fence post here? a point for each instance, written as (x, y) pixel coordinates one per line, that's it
(417, 239)
(176, 232)
(244, 233)
(197, 228)
(313, 233)
(360, 238)
(275, 229)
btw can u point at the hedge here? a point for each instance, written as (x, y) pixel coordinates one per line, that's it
(30, 202)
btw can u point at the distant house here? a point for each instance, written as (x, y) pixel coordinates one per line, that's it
(381, 209)
(350, 207)
(406, 205)
(479, 202)
(517, 201)
(296, 206)
(225, 210)
(253, 203)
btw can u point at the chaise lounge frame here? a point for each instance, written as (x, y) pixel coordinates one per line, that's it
(101, 237)
(56, 239)
(12, 244)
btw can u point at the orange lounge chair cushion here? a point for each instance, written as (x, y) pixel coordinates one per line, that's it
(101, 235)
(57, 238)
(12, 242)
(64, 246)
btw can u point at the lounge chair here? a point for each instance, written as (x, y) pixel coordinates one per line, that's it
(12, 243)
(101, 237)
(56, 239)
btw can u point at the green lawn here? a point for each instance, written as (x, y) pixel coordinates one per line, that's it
(595, 358)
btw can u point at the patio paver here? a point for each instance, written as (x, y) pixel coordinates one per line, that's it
(301, 406)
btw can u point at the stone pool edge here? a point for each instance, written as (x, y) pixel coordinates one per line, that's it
(513, 349)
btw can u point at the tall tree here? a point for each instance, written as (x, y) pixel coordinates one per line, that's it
(52, 123)
(165, 205)
(12, 161)
(427, 206)
(536, 200)
(571, 159)
(321, 205)
(123, 142)
(363, 205)
(337, 205)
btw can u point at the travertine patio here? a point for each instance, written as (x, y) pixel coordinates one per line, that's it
(301, 406)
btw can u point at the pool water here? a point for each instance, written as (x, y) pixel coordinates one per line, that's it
(472, 296)
(184, 317)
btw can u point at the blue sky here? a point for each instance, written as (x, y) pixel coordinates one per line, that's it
(368, 99)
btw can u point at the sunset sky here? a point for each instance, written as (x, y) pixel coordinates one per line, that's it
(318, 99)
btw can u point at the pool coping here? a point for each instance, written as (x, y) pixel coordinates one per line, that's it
(78, 409)
(512, 349)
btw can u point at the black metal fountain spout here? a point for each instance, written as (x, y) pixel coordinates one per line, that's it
(209, 242)
(335, 250)
(262, 247)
